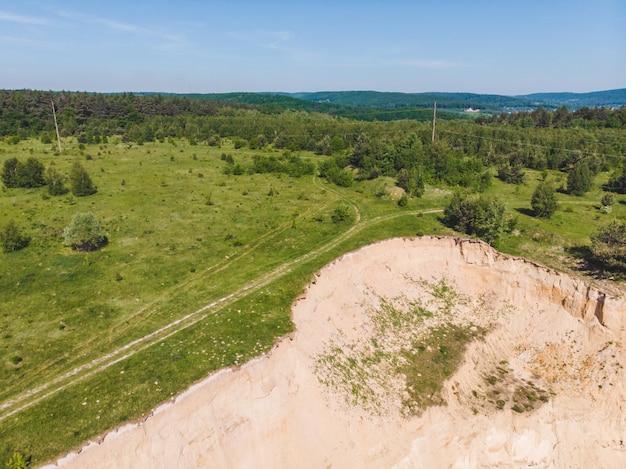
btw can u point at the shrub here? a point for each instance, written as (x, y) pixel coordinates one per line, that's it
(12, 238)
(341, 214)
(482, 216)
(608, 245)
(607, 200)
(84, 233)
(18, 461)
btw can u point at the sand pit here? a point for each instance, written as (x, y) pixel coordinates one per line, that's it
(544, 385)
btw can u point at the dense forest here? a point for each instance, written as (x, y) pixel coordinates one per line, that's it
(464, 148)
(460, 156)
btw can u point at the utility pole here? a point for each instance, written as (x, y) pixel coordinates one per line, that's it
(434, 120)
(56, 126)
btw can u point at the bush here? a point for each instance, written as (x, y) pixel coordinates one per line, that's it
(84, 233)
(608, 245)
(341, 214)
(12, 238)
(18, 461)
(482, 217)
(607, 200)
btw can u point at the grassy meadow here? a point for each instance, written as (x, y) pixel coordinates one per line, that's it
(199, 273)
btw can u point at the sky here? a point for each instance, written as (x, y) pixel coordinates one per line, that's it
(508, 47)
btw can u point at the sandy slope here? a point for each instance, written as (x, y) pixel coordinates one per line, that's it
(546, 328)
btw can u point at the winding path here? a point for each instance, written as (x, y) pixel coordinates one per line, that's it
(35, 395)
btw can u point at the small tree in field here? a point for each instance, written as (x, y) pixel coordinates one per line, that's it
(608, 245)
(80, 181)
(84, 233)
(579, 179)
(55, 182)
(12, 238)
(478, 216)
(543, 200)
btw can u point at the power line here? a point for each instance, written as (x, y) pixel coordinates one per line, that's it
(534, 145)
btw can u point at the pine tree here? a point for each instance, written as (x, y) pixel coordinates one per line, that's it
(579, 179)
(543, 200)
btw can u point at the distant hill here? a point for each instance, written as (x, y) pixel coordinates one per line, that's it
(612, 98)
(459, 101)
(391, 100)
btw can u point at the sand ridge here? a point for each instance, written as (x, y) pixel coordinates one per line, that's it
(552, 337)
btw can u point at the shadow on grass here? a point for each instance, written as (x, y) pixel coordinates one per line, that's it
(526, 211)
(589, 265)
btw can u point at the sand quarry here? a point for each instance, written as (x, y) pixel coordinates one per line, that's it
(544, 387)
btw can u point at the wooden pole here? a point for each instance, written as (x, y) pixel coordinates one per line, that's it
(434, 120)
(56, 126)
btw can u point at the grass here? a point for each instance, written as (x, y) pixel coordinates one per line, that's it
(183, 235)
(413, 347)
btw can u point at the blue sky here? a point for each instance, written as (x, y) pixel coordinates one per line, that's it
(502, 47)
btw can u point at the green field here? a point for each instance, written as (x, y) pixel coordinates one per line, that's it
(199, 273)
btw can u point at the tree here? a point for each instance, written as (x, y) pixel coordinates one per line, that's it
(608, 245)
(12, 238)
(543, 201)
(18, 174)
(482, 216)
(84, 233)
(10, 172)
(411, 181)
(80, 181)
(56, 185)
(616, 183)
(579, 179)
(31, 174)
(512, 173)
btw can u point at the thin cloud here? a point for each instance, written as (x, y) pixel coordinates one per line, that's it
(7, 16)
(263, 38)
(434, 64)
(173, 40)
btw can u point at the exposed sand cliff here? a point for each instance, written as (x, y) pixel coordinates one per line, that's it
(547, 332)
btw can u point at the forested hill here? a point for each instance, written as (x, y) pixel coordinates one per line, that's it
(459, 101)
(573, 101)
(149, 116)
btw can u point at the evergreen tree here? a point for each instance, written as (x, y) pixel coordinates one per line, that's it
(543, 200)
(616, 183)
(579, 179)
(80, 181)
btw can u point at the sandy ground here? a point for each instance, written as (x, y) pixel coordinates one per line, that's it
(546, 328)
